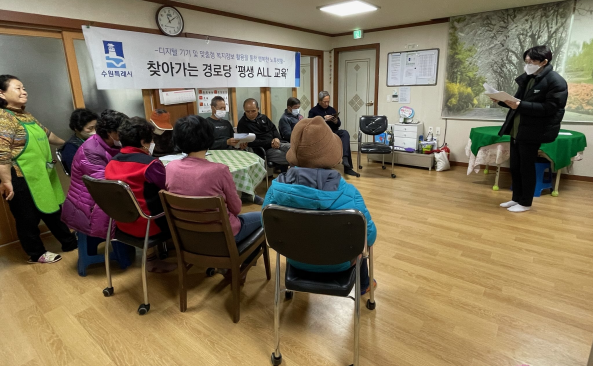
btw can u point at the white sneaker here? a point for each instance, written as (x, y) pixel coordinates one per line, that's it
(509, 204)
(519, 208)
(47, 257)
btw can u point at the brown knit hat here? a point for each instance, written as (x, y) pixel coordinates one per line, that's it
(314, 145)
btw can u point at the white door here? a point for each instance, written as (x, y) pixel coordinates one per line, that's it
(356, 88)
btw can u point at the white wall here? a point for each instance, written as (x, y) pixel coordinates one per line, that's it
(142, 14)
(427, 100)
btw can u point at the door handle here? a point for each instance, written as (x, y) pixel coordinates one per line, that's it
(370, 104)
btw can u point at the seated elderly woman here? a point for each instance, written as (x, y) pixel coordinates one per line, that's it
(313, 185)
(79, 211)
(82, 122)
(196, 176)
(145, 175)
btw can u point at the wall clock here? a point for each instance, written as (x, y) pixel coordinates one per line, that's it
(169, 21)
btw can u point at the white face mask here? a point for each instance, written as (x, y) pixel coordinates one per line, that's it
(295, 112)
(531, 69)
(220, 114)
(116, 142)
(151, 148)
(86, 135)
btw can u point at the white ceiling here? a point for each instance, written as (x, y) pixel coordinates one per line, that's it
(304, 13)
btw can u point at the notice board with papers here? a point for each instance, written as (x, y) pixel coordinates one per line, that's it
(409, 68)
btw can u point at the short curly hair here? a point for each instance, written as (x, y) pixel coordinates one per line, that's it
(135, 130)
(193, 133)
(80, 118)
(4, 82)
(109, 121)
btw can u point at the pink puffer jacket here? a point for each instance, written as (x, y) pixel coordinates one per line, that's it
(79, 211)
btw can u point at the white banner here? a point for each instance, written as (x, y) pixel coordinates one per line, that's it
(132, 60)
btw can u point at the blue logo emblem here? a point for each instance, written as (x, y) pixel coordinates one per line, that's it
(114, 55)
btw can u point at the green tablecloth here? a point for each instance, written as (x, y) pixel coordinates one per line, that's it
(560, 151)
(246, 168)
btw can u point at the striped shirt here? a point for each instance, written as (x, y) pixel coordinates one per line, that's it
(13, 136)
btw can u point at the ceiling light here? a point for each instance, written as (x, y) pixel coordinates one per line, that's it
(348, 8)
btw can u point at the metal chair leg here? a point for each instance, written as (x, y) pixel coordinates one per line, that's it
(392, 164)
(371, 304)
(145, 307)
(357, 314)
(108, 291)
(276, 355)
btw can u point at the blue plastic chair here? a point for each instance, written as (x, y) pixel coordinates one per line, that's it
(121, 253)
(540, 177)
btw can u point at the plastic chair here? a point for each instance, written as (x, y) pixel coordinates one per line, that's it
(203, 236)
(542, 182)
(117, 200)
(120, 254)
(318, 238)
(374, 125)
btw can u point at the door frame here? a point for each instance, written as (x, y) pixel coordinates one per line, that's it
(336, 58)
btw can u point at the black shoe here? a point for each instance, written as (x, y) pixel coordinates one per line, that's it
(351, 172)
(246, 198)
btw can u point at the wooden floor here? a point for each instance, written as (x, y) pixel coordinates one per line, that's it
(461, 282)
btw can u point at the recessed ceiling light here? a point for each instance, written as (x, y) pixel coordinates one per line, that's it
(348, 8)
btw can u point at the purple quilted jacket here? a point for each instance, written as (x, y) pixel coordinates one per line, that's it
(79, 211)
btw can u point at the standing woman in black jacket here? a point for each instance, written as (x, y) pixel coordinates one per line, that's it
(533, 120)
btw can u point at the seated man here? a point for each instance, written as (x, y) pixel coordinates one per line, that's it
(330, 116)
(224, 137)
(313, 185)
(223, 129)
(290, 118)
(266, 133)
(163, 133)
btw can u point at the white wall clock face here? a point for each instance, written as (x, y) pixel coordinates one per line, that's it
(170, 21)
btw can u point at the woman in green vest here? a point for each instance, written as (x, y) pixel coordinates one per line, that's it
(28, 178)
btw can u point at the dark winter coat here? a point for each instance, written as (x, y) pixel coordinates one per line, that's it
(541, 108)
(265, 131)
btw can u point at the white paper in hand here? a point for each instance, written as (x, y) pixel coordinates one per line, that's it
(498, 95)
(489, 89)
(244, 138)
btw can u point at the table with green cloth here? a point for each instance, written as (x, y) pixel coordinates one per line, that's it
(485, 146)
(246, 168)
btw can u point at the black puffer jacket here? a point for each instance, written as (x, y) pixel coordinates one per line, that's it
(541, 109)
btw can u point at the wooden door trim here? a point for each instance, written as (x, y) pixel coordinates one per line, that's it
(30, 32)
(336, 57)
(233, 101)
(312, 82)
(73, 72)
(147, 97)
